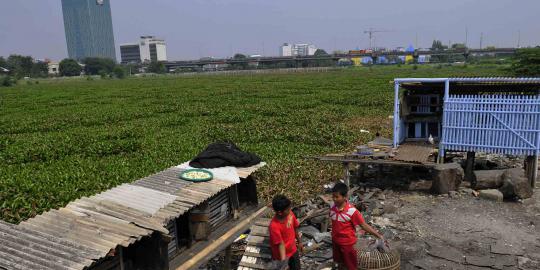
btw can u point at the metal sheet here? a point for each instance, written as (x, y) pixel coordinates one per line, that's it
(414, 152)
(83, 232)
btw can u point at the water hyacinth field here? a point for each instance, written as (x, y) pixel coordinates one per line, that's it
(63, 139)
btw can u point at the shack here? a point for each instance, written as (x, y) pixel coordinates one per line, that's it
(157, 222)
(491, 115)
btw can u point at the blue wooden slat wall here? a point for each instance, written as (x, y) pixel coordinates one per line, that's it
(503, 124)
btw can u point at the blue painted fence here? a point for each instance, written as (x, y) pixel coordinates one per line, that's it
(504, 124)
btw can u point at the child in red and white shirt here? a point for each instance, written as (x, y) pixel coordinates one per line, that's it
(345, 220)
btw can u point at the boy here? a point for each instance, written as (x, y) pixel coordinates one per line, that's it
(284, 234)
(345, 219)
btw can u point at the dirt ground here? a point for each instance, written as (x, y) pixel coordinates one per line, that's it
(465, 232)
(456, 231)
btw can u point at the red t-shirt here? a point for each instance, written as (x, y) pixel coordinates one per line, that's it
(283, 231)
(344, 224)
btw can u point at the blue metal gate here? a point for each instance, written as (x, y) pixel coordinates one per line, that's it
(504, 124)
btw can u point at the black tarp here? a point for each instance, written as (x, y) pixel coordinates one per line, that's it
(221, 154)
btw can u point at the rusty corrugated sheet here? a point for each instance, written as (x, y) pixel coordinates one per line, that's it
(87, 229)
(414, 152)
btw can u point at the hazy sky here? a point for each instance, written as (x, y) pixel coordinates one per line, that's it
(196, 28)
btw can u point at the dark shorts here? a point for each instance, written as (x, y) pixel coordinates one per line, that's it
(345, 255)
(294, 262)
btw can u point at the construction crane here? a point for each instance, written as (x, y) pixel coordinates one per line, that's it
(371, 33)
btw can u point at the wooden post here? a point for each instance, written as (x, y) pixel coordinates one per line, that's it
(469, 169)
(535, 172)
(347, 173)
(227, 259)
(121, 251)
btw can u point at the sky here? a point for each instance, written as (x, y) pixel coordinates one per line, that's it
(220, 28)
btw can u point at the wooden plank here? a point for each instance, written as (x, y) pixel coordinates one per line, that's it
(259, 231)
(215, 245)
(258, 255)
(255, 240)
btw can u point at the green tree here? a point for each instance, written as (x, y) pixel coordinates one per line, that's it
(119, 72)
(459, 46)
(242, 62)
(20, 66)
(6, 80)
(157, 67)
(437, 45)
(527, 62)
(98, 66)
(320, 52)
(39, 70)
(3, 62)
(69, 67)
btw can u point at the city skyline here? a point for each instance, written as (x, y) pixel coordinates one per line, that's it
(195, 29)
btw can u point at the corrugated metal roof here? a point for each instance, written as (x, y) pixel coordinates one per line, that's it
(414, 152)
(87, 229)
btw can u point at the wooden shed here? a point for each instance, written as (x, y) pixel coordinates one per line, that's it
(146, 224)
(491, 115)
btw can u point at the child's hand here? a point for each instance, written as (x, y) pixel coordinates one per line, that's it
(301, 248)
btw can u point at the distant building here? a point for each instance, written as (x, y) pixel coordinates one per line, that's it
(285, 50)
(304, 49)
(424, 58)
(89, 29)
(54, 68)
(148, 49)
(297, 49)
(130, 53)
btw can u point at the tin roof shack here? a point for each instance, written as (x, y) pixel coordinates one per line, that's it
(492, 115)
(157, 222)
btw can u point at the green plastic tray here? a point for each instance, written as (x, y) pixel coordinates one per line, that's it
(183, 177)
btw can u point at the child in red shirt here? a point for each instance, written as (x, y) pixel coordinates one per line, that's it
(284, 234)
(345, 220)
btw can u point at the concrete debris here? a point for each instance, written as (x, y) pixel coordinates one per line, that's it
(446, 177)
(489, 179)
(502, 247)
(515, 185)
(491, 194)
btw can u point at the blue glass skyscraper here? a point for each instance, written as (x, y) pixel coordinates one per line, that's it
(89, 29)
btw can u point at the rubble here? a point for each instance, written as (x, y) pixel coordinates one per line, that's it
(489, 179)
(491, 194)
(425, 228)
(446, 177)
(515, 185)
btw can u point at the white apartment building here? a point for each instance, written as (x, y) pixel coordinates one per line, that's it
(297, 49)
(148, 49)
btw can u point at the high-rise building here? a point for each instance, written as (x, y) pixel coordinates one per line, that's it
(147, 50)
(89, 29)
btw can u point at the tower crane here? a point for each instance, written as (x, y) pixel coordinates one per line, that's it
(371, 33)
